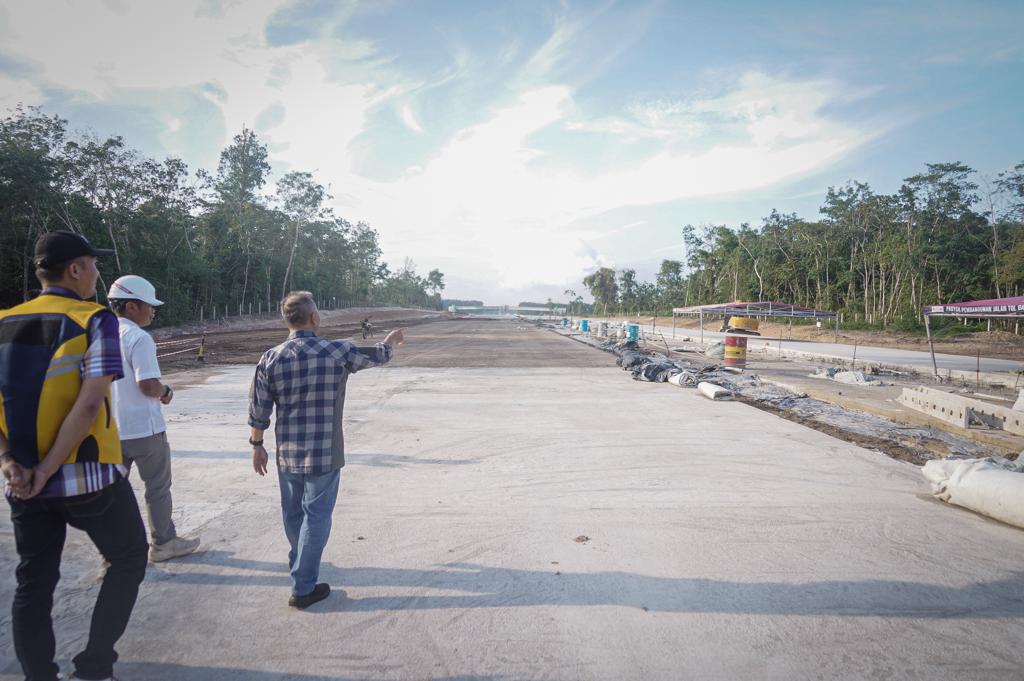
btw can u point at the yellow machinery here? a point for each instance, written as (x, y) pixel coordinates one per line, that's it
(746, 325)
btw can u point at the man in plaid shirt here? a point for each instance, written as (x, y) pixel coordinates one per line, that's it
(305, 378)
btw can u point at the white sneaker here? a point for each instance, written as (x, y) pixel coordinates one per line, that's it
(175, 548)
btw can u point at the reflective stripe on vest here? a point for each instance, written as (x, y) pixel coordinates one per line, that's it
(42, 343)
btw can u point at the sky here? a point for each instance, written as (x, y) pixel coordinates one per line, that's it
(518, 146)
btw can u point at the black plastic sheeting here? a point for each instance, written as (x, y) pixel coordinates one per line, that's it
(657, 368)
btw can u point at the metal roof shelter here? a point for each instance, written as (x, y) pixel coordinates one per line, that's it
(993, 308)
(760, 309)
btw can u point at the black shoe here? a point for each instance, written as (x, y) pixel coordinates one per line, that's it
(319, 592)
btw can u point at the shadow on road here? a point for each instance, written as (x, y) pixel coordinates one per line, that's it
(481, 586)
(156, 671)
(377, 460)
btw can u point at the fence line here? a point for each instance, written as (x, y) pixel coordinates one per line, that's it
(178, 352)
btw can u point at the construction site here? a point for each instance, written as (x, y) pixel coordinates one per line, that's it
(548, 499)
(511, 341)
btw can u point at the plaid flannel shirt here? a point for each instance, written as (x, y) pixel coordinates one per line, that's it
(305, 379)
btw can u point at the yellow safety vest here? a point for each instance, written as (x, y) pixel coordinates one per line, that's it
(42, 344)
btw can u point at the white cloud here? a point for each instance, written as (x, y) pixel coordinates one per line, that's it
(619, 230)
(15, 91)
(98, 49)
(484, 198)
(409, 118)
(487, 203)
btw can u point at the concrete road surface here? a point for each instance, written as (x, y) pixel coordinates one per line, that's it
(515, 507)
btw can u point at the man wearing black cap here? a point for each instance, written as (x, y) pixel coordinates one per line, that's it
(60, 454)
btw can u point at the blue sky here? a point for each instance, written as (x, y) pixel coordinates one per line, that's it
(517, 146)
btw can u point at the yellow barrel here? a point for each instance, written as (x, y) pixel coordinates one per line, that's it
(743, 323)
(735, 351)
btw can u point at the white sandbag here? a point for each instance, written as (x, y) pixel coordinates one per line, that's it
(1019, 404)
(992, 486)
(678, 379)
(715, 350)
(713, 392)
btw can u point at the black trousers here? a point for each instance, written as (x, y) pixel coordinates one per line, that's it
(111, 519)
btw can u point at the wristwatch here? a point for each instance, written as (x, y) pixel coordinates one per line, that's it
(256, 443)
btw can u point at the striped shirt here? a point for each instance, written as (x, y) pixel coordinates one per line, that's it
(305, 379)
(102, 358)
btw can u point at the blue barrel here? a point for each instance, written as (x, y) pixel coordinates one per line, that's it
(585, 325)
(633, 332)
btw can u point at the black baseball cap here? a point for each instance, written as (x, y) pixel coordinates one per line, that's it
(54, 248)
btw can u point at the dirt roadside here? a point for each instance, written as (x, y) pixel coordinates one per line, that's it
(245, 339)
(867, 415)
(997, 344)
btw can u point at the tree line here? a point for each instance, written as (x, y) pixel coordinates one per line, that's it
(945, 236)
(213, 243)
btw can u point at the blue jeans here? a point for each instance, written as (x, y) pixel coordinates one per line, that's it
(307, 506)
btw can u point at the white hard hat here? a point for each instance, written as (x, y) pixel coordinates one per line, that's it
(133, 287)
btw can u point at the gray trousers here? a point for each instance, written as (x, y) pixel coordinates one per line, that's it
(152, 455)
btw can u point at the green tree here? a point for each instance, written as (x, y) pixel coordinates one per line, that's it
(301, 199)
(628, 291)
(241, 174)
(670, 284)
(31, 203)
(603, 287)
(571, 296)
(435, 282)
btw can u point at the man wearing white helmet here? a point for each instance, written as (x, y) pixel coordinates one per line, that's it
(137, 398)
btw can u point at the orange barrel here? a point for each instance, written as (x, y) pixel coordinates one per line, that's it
(735, 351)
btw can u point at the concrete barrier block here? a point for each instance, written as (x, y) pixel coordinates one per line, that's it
(960, 410)
(935, 403)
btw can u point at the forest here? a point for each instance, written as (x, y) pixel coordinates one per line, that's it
(226, 241)
(214, 242)
(947, 235)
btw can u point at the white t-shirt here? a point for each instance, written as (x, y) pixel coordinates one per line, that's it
(137, 415)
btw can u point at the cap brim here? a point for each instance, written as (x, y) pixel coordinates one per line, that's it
(97, 252)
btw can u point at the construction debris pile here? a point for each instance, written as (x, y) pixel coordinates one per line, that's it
(917, 443)
(844, 375)
(921, 441)
(657, 368)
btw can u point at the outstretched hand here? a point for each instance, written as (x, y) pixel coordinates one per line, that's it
(395, 338)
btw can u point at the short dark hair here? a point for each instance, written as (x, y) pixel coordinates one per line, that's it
(51, 274)
(119, 305)
(298, 307)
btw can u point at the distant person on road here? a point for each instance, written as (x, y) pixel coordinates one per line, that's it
(304, 379)
(60, 454)
(137, 398)
(367, 328)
